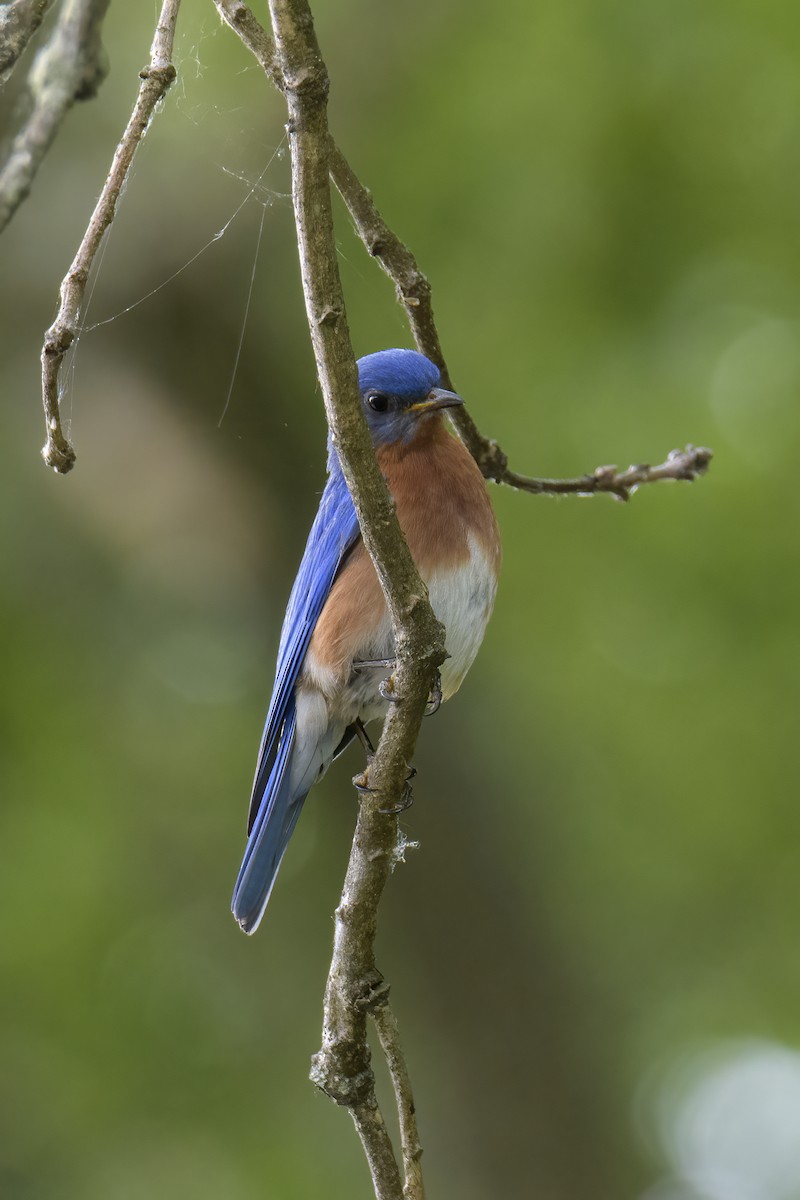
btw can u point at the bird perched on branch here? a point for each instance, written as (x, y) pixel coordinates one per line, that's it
(336, 643)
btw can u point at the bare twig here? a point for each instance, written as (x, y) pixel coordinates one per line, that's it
(412, 286)
(247, 27)
(685, 464)
(389, 1035)
(342, 1066)
(19, 20)
(414, 293)
(69, 67)
(156, 78)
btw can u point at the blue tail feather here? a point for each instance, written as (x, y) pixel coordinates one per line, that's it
(278, 812)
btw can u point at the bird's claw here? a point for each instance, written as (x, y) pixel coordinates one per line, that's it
(435, 698)
(406, 799)
(386, 686)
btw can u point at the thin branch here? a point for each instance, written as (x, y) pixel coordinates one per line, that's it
(69, 67)
(414, 293)
(247, 27)
(389, 1035)
(412, 286)
(371, 1127)
(19, 20)
(342, 1066)
(685, 464)
(156, 78)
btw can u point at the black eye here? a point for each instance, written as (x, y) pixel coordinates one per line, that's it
(378, 402)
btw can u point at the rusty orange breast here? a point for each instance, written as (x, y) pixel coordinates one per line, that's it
(441, 502)
(441, 498)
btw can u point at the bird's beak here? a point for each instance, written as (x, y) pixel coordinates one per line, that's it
(435, 399)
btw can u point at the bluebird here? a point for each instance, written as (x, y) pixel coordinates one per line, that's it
(336, 642)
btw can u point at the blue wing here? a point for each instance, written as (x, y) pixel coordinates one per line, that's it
(334, 531)
(273, 809)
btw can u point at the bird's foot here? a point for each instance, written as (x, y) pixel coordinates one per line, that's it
(386, 686)
(406, 799)
(432, 704)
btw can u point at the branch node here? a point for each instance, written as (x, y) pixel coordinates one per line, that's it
(163, 74)
(309, 83)
(330, 316)
(494, 457)
(371, 992)
(58, 341)
(343, 1071)
(58, 453)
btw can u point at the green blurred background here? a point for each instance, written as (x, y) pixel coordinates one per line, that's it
(594, 955)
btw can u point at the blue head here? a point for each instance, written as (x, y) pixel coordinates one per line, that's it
(399, 389)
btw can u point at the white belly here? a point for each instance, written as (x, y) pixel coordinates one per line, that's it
(462, 599)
